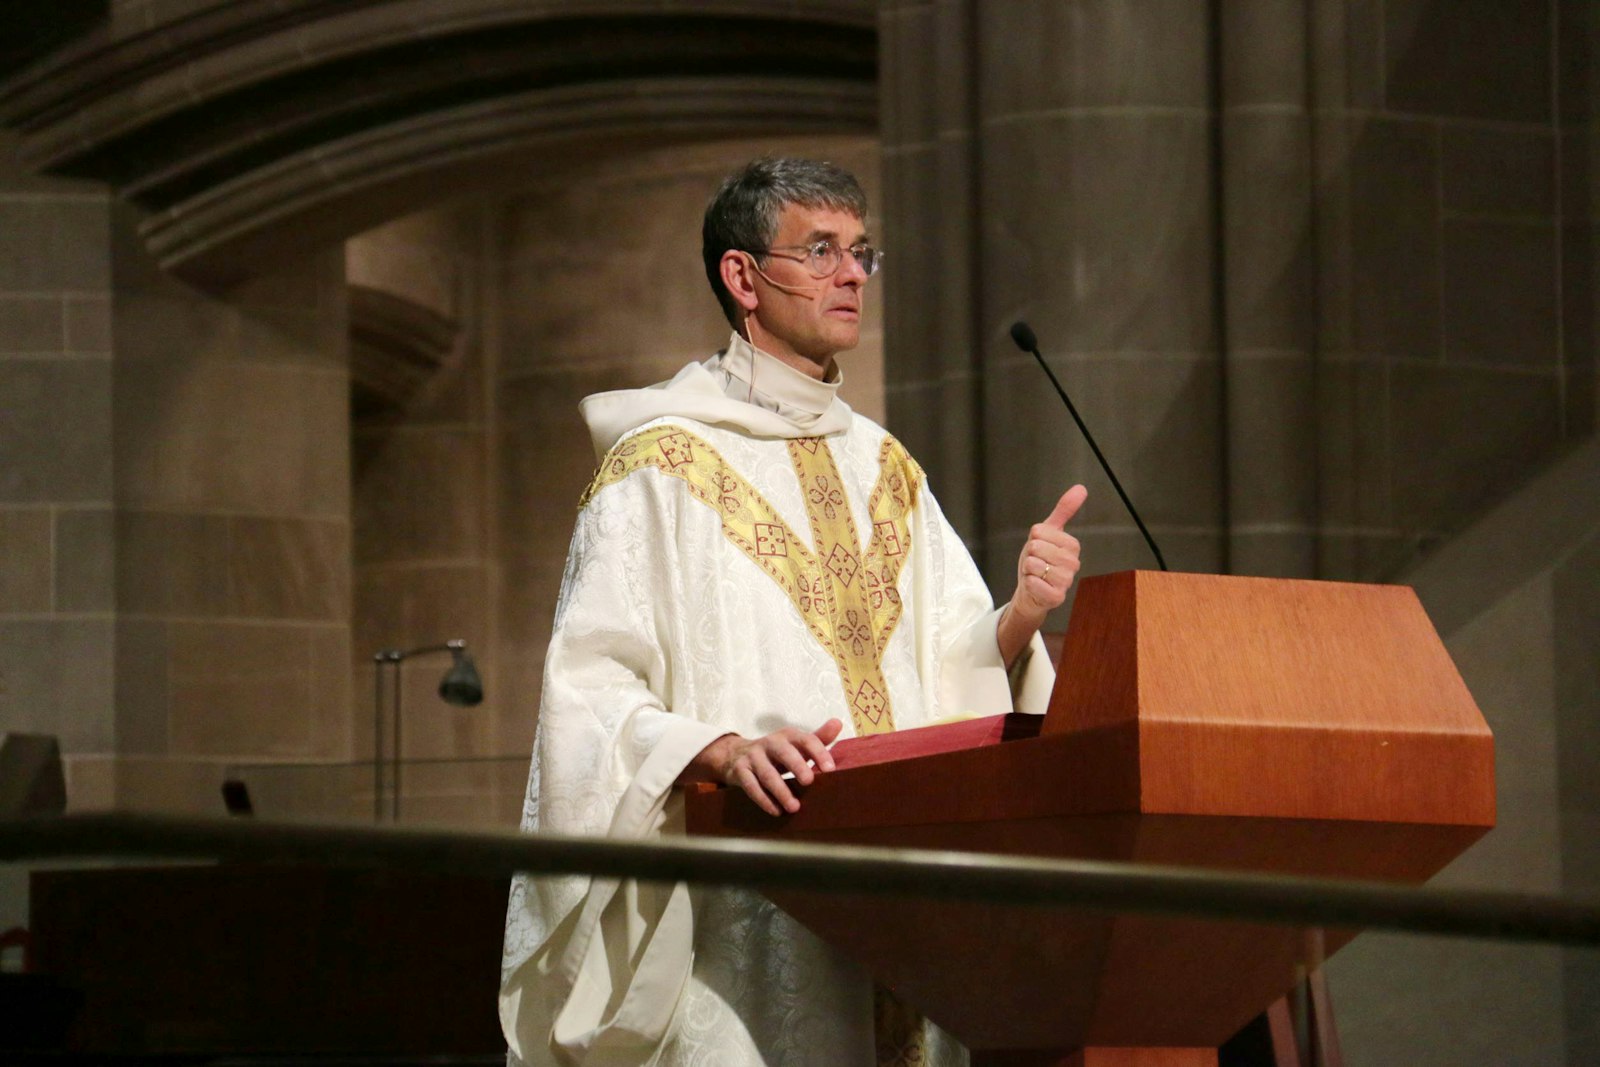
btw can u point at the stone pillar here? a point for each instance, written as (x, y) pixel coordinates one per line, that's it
(1578, 147)
(931, 281)
(1576, 585)
(1267, 249)
(1080, 137)
(232, 490)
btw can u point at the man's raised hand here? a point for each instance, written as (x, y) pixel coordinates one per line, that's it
(1045, 570)
(757, 766)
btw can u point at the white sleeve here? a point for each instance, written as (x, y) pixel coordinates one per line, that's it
(972, 674)
(593, 968)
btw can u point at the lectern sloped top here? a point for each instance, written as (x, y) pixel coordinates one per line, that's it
(1268, 725)
(1277, 697)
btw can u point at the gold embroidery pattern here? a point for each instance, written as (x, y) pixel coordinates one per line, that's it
(848, 599)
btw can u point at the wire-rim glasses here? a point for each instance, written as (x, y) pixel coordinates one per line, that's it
(822, 258)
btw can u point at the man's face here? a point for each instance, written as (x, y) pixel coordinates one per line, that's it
(800, 316)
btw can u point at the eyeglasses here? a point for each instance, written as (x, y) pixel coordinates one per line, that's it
(822, 259)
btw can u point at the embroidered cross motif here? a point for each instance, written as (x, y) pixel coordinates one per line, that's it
(886, 534)
(676, 449)
(842, 565)
(771, 540)
(869, 702)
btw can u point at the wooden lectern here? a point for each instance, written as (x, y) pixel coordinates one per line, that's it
(1247, 724)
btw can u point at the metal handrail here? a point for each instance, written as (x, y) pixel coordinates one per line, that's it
(1078, 884)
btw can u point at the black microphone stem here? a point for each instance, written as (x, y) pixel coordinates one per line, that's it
(1087, 436)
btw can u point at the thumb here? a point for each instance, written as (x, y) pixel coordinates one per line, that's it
(1067, 506)
(829, 731)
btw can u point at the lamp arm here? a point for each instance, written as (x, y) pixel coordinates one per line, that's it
(395, 655)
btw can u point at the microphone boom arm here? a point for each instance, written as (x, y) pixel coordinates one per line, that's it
(1024, 338)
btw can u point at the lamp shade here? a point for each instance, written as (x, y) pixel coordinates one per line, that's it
(461, 686)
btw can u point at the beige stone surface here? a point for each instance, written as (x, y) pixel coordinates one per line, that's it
(416, 605)
(420, 493)
(53, 242)
(26, 562)
(1163, 448)
(289, 568)
(172, 563)
(1488, 61)
(143, 705)
(84, 562)
(1497, 170)
(1499, 425)
(169, 786)
(1272, 441)
(55, 427)
(242, 690)
(32, 324)
(56, 677)
(185, 442)
(1378, 236)
(428, 258)
(1098, 229)
(88, 324)
(1269, 235)
(1500, 292)
(1036, 55)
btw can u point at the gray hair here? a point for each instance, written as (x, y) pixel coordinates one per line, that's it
(744, 212)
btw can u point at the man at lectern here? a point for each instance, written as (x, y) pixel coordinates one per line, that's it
(756, 571)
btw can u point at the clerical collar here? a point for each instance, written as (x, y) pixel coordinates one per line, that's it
(771, 384)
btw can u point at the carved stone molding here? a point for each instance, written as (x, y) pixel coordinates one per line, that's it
(339, 189)
(225, 120)
(396, 347)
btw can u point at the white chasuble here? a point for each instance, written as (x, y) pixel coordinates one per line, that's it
(724, 578)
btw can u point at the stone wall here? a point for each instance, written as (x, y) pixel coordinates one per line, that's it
(232, 532)
(57, 592)
(1451, 185)
(174, 577)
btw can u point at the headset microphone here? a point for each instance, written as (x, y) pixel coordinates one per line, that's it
(796, 290)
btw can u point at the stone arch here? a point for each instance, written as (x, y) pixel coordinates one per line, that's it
(249, 130)
(397, 346)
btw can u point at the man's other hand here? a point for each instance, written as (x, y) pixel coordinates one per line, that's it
(757, 766)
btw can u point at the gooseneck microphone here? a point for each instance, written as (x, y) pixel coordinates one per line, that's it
(1022, 334)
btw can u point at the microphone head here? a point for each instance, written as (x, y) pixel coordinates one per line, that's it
(1022, 334)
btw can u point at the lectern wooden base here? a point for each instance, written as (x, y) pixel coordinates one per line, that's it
(1267, 725)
